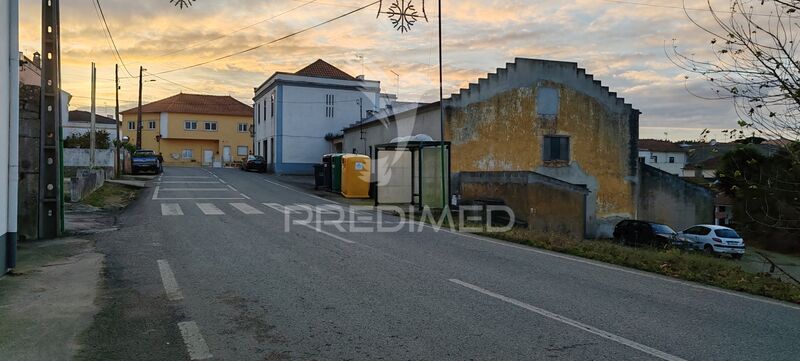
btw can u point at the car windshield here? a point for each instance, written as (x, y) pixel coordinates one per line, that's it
(144, 153)
(662, 229)
(727, 233)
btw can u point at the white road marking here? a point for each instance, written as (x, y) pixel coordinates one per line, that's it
(195, 343)
(201, 199)
(187, 182)
(345, 240)
(231, 188)
(186, 176)
(298, 191)
(195, 189)
(245, 196)
(246, 208)
(171, 209)
(279, 207)
(155, 193)
(168, 279)
(210, 209)
(568, 321)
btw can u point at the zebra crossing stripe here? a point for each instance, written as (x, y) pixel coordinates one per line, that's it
(171, 209)
(246, 208)
(210, 209)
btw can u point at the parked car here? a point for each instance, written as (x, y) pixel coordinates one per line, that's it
(254, 162)
(714, 240)
(145, 161)
(643, 233)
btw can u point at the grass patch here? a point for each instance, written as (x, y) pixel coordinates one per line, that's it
(112, 196)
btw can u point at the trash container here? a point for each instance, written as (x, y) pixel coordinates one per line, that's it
(336, 173)
(327, 162)
(356, 176)
(319, 176)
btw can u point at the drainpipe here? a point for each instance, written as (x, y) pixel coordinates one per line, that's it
(13, 136)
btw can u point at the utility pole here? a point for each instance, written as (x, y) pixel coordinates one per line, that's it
(51, 196)
(361, 120)
(398, 83)
(116, 117)
(93, 120)
(139, 113)
(445, 194)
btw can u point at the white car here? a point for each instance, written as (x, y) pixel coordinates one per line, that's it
(714, 239)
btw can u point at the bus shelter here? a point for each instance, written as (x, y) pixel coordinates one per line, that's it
(411, 173)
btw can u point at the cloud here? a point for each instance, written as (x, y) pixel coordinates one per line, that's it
(623, 45)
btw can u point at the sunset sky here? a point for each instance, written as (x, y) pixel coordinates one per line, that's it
(623, 43)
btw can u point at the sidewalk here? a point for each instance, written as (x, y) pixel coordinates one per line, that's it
(49, 300)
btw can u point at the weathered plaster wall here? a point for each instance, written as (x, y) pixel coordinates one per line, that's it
(668, 199)
(546, 204)
(496, 125)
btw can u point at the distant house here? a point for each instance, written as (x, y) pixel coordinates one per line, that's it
(704, 159)
(295, 112)
(79, 122)
(664, 155)
(192, 129)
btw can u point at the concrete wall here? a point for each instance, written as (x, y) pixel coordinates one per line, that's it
(670, 200)
(549, 206)
(74, 157)
(85, 182)
(499, 124)
(29, 161)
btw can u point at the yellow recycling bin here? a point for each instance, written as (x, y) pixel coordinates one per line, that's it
(356, 176)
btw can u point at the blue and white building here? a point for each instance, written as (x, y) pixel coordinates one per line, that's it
(293, 113)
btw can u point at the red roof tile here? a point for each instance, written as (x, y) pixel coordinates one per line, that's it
(654, 145)
(197, 104)
(321, 69)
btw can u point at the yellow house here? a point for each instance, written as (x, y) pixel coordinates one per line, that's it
(191, 129)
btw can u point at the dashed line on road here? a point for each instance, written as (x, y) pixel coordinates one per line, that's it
(195, 343)
(246, 208)
(168, 279)
(210, 209)
(171, 209)
(568, 321)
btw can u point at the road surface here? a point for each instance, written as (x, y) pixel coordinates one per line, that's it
(203, 268)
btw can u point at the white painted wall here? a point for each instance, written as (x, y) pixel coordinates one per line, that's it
(663, 162)
(80, 157)
(407, 124)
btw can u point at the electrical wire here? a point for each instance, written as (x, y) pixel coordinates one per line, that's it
(103, 16)
(269, 42)
(194, 45)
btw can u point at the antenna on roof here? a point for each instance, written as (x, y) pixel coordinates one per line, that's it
(361, 57)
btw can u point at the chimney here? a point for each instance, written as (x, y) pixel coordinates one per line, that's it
(37, 60)
(360, 77)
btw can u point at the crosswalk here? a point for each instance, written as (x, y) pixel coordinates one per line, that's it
(212, 209)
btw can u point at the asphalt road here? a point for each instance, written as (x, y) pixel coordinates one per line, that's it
(204, 267)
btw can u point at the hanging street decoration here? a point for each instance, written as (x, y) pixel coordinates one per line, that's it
(182, 3)
(403, 14)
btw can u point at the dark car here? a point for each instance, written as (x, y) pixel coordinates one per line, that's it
(643, 233)
(145, 161)
(254, 162)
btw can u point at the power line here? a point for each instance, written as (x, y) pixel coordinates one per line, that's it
(683, 8)
(100, 7)
(194, 45)
(269, 42)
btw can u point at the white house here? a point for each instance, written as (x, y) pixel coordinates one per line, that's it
(78, 122)
(663, 155)
(293, 113)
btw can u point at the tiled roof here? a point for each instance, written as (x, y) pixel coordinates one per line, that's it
(321, 69)
(80, 116)
(654, 145)
(197, 104)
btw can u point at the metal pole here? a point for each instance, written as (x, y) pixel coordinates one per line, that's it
(139, 113)
(13, 141)
(93, 119)
(441, 112)
(116, 117)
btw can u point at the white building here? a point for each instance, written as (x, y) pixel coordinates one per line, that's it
(663, 155)
(78, 122)
(295, 112)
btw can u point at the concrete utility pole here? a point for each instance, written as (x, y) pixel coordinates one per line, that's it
(116, 117)
(139, 113)
(93, 120)
(445, 194)
(51, 196)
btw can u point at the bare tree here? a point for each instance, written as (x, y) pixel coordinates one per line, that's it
(755, 62)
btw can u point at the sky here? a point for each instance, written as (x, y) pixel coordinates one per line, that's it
(623, 43)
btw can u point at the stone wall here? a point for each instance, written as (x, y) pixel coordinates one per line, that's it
(547, 205)
(29, 125)
(668, 199)
(85, 182)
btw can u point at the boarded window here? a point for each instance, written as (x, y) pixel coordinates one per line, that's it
(556, 149)
(547, 102)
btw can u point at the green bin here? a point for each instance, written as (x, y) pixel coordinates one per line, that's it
(336, 184)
